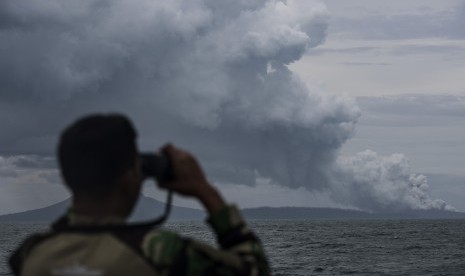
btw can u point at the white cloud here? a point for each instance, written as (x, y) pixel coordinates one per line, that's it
(382, 183)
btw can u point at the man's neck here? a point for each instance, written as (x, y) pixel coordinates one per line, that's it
(99, 209)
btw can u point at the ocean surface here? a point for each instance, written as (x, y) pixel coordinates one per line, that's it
(308, 247)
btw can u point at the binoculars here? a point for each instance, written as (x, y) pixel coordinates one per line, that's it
(158, 166)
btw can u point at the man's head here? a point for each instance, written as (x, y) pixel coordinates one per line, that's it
(95, 153)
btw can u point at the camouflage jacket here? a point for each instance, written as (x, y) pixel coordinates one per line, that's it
(66, 251)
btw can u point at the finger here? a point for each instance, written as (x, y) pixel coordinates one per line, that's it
(178, 154)
(167, 148)
(171, 151)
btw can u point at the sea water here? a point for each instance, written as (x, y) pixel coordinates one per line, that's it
(310, 247)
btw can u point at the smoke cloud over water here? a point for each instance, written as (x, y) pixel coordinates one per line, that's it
(209, 75)
(382, 184)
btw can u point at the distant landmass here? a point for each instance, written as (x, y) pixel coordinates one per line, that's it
(149, 208)
(334, 213)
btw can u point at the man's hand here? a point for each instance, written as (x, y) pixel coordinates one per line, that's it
(189, 179)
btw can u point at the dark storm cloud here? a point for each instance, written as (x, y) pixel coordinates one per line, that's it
(209, 76)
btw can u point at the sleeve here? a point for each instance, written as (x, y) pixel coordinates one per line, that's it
(240, 252)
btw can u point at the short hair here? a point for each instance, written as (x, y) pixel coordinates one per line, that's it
(95, 152)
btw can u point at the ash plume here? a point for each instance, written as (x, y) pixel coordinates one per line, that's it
(209, 75)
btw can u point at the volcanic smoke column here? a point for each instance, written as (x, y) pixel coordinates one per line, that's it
(208, 74)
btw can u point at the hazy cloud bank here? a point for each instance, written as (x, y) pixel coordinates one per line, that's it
(23, 180)
(416, 105)
(417, 21)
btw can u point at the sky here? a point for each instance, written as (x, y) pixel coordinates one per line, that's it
(350, 104)
(404, 62)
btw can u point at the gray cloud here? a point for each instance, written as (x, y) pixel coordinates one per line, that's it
(346, 50)
(421, 23)
(449, 186)
(453, 51)
(365, 63)
(28, 181)
(211, 77)
(33, 162)
(426, 128)
(13, 166)
(416, 105)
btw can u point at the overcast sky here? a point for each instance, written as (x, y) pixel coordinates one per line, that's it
(352, 104)
(404, 61)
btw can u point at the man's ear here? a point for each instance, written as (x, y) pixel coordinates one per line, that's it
(131, 178)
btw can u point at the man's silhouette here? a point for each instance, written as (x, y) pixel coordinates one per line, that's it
(101, 166)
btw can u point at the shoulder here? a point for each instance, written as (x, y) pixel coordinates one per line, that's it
(18, 256)
(163, 246)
